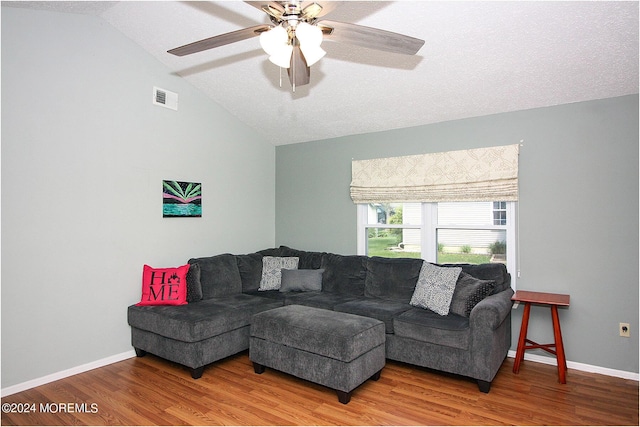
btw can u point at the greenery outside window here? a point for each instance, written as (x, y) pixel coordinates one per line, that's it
(393, 230)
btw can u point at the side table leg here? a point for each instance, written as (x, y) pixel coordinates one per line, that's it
(560, 357)
(523, 337)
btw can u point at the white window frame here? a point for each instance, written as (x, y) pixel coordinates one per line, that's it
(429, 229)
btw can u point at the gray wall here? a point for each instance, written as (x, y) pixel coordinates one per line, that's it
(578, 210)
(84, 153)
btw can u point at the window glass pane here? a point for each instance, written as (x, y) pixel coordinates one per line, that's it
(393, 242)
(471, 246)
(468, 213)
(499, 213)
(394, 213)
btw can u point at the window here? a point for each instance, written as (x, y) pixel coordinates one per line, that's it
(499, 213)
(393, 230)
(445, 232)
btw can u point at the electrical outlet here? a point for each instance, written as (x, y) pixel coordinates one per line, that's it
(624, 330)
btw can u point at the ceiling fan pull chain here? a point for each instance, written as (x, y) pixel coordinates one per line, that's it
(293, 71)
(280, 68)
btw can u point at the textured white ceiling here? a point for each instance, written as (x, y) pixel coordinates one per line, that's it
(479, 58)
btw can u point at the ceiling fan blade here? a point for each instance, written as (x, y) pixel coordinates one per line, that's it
(372, 38)
(272, 8)
(326, 7)
(299, 73)
(220, 40)
(310, 10)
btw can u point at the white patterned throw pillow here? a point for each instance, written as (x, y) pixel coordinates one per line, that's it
(272, 271)
(435, 287)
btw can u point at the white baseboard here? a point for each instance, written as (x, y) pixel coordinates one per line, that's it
(66, 373)
(579, 366)
(129, 354)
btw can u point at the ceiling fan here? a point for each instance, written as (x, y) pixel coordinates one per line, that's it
(293, 41)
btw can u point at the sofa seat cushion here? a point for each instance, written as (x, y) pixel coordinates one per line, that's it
(338, 336)
(325, 300)
(200, 320)
(376, 308)
(273, 295)
(252, 303)
(419, 324)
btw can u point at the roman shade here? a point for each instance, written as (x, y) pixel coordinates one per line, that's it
(481, 174)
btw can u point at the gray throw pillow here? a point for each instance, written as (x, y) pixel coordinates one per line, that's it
(469, 292)
(435, 287)
(272, 271)
(301, 280)
(194, 287)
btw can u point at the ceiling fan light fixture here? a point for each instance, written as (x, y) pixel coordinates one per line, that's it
(274, 40)
(309, 34)
(310, 38)
(312, 54)
(282, 58)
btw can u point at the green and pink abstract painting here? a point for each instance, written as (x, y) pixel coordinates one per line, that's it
(181, 199)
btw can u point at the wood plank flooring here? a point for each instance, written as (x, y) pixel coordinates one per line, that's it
(152, 391)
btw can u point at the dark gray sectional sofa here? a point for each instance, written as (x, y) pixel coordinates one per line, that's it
(223, 297)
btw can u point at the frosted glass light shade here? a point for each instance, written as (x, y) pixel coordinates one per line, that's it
(310, 38)
(273, 40)
(282, 58)
(309, 34)
(312, 54)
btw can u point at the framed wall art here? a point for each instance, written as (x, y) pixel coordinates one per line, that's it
(181, 199)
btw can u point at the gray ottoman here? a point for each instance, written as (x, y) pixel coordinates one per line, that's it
(337, 350)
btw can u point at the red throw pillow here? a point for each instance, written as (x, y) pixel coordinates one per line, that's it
(164, 286)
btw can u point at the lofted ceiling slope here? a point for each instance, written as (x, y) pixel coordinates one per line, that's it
(479, 58)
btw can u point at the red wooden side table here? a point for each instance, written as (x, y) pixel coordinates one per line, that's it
(544, 299)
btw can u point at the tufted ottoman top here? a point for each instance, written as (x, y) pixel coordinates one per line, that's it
(340, 336)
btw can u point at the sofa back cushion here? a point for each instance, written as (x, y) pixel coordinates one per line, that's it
(271, 252)
(392, 278)
(250, 269)
(307, 260)
(344, 274)
(496, 272)
(219, 275)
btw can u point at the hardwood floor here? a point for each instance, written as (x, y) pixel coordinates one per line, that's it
(152, 391)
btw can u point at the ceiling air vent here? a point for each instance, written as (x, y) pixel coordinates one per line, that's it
(165, 98)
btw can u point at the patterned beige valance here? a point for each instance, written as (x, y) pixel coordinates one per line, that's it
(482, 174)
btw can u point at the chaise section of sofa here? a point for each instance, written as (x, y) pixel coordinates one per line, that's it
(205, 330)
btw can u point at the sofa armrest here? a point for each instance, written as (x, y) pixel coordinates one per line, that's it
(491, 311)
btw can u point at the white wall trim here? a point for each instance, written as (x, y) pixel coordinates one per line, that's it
(129, 354)
(66, 373)
(579, 366)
